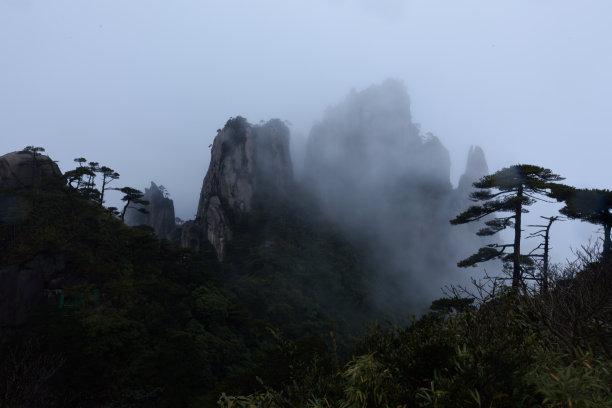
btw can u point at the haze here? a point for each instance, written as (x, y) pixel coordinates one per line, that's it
(142, 86)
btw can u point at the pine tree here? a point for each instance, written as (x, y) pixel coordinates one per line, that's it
(35, 152)
(78, 174)
(88, 186)
(132, 196)
(108, 176)
(589, 205)
(83, 179)
(509, 190)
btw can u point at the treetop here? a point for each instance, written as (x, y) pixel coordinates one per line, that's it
(589, 205)
(530, 177)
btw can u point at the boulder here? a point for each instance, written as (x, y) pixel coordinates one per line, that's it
(25, 169)
(20, 172)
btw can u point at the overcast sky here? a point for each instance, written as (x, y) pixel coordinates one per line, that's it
(142, 85)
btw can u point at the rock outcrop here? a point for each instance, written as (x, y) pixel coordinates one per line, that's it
(25, 169)
(20, 171)
(248, 163)
(24, 286)
(160, 212)
(475, 168)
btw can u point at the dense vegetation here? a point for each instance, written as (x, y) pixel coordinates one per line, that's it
(545, 340)
(140, 322)
(507, 351)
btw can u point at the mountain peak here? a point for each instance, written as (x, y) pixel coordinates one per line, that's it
(160, 212)
(247, 162)
(475, 168)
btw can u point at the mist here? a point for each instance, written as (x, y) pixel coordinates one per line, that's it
(143, 86)
(386, 182)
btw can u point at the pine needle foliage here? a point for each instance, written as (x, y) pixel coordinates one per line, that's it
(509, 190)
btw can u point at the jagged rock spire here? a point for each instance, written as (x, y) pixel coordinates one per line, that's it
(475, 168)
(247, 161)
(160, 212)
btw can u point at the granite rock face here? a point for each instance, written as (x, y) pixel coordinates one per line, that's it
(25, 286)
(20, 171)
(475, 168)
(248, 163)
(24, 169)
(192, 235)
(160, 215)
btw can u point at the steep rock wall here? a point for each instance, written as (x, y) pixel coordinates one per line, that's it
(248, 163)
(160, 212)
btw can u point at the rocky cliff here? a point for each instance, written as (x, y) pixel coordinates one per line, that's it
(475, 168)
(20, 171)
(160, 212)
(248, 163)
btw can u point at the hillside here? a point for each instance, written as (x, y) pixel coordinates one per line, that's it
(99, 314)
(112, 316)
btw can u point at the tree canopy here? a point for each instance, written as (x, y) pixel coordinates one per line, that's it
(509, 190)
(589, 205)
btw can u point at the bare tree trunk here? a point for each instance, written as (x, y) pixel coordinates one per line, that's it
(545, 263)
(127, 204)
(518, 211)
(607, 245)
(103, 190)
